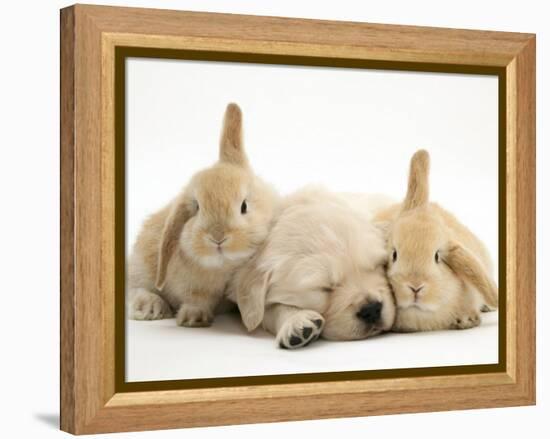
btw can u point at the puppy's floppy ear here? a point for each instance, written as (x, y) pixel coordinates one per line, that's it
(418, 188)
(470, 270)
(231, 142)
(178, 216)
(251, 288)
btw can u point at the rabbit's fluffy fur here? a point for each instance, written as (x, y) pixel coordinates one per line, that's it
(320, 272)
(227, 212)
(441, 273)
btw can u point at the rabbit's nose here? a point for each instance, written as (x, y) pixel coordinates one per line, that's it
(218, 241)
(417, 289)
(217, 235)
(370, 312)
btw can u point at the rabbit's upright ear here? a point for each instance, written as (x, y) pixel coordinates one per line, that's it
(470, 270)
(418, 189)
(231, 142)
(178, 216)
(251, 291)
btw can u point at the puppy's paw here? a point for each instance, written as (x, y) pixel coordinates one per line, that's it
(300, 330)
(194, 316)
(149, 306)
(466, 321)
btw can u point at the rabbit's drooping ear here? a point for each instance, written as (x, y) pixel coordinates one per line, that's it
(252, 285)
(469, 269)
(231, 142)
(418, 188)
(178, 216)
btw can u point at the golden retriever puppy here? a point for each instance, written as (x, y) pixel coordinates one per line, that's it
(320, 272)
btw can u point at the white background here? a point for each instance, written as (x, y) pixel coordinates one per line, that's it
(348, 129)
(29, 178)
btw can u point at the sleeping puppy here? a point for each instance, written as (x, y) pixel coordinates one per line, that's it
(319, 273)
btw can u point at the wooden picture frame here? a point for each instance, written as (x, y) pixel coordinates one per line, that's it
(93, 40)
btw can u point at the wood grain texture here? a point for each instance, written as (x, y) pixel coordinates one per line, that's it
(525, 287)
(67, 253)
(89, 304)
(373, 41)
(107, 215)
(289, 390)
(89, 37)
(511, 222)
(82, 305)
(319, 406)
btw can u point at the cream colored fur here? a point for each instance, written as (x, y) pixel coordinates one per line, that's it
(187, 252)
(321, 263)
(451, 287)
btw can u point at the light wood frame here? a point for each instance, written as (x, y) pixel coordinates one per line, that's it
(90, 36)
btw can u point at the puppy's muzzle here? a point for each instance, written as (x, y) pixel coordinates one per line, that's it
(371, 312)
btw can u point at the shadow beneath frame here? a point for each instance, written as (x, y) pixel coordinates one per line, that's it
(50, 419)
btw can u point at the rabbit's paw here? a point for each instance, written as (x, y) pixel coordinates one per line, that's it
(149, 306)
(194, 316)
(466, 321)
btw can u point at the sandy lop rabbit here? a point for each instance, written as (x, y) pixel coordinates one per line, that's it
(186, 253)
(439, 270)
(320, 272)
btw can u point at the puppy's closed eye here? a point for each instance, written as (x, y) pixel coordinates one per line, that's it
(327, 289)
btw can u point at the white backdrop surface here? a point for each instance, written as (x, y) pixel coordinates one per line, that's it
(161, 350)
(29, 178)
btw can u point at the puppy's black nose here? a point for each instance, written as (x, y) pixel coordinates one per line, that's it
(370, 312)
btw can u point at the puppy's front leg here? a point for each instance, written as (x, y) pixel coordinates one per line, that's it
(294, 327)
(197, 309)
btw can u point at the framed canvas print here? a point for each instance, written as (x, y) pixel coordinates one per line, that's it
(267, 219)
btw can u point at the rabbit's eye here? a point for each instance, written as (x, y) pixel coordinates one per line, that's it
(437, 257)
(244, 207)
(394, 255)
